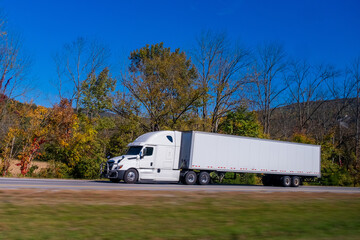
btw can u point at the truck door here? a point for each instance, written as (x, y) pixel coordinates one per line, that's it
(146, 163)
(148, 157)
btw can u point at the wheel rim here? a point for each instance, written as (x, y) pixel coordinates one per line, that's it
(204, 178)
(191, 178)
(131, 176)
(296, 181)
(287, 181)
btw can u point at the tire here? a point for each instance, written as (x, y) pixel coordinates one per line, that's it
(190, 178)
(204, 178)
(131, 176)
(286, 181)
(295, 181)
(115, 180)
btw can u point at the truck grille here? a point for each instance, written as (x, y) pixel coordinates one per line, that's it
(110, 165)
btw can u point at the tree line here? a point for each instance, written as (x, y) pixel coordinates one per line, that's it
(217, 86)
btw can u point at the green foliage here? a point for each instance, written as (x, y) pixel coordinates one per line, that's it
(241, 123)
(302, 138)
(87, 167)
(55, 170)
(31, 171)
(128, 129)
(95, 93)
(333, 171)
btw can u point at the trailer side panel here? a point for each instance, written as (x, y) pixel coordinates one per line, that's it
(242, 154)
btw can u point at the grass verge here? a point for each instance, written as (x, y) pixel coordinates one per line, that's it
(33, 214)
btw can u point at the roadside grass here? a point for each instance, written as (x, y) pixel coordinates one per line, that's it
(177, 215)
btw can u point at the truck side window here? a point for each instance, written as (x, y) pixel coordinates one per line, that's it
(148, 151)
(169, 138)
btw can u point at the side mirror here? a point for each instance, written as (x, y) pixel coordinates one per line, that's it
(141, 155)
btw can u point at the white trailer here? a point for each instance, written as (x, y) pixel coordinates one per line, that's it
(190, 157)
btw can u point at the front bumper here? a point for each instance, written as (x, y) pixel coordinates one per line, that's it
(113, 174)
(116, 174)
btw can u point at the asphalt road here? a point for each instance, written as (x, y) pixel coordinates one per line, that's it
(56, 184)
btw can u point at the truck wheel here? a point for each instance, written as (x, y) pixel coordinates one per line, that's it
(131, 176)
(295, 181)
(204, 178)
(286, 181)
(190, 178)
(115, 180)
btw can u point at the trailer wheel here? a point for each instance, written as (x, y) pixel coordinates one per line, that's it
(190, 178)
(286, 181)
(295, 181)
(131, 176)
(115, 180)
(204, 178)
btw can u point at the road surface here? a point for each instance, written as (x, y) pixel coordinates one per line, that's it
(57, 184)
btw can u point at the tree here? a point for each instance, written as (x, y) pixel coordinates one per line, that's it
(14, 66)
(76, 63)
(95, 93)
(13, 62)
(72, 142)
(28, 134)
(355, 76)
(267, 78)
(241, 122)
(164, 83)
(222, 75)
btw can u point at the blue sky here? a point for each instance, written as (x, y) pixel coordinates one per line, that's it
(318, 30)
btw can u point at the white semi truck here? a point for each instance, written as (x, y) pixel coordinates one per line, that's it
(190, 157)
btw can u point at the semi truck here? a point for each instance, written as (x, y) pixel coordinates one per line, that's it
(190, 157)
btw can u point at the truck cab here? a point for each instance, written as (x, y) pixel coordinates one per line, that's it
(153, 156)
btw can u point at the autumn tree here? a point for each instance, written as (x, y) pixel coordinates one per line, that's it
(222, 69)
(164, 83)
(62, 121)
(76, 63)
(25, 138)
(73, 143)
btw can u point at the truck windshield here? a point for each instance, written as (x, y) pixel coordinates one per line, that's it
(135, 150)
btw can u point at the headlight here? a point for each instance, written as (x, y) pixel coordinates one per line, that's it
(120, 166)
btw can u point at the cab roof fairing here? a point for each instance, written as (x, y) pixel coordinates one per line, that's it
(155, 138)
